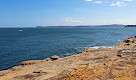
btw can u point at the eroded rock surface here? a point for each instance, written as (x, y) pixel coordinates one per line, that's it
(117, 63)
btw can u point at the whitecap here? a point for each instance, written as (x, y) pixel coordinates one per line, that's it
(80, 49)
(20, 30)
(67, 54)
(97, 47)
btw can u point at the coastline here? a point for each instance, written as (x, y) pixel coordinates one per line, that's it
(67, 68)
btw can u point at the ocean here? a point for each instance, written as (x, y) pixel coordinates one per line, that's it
(21, 44)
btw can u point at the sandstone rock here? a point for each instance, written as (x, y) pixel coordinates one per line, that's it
(61, 75)
(127, 44)
(26, 77)
(41, 70)
(16, 68)
(55, 57)
(47, 59)
(91, 49)
(31, 62)
(119, 70)
(127, 40)
(2, 73)
(134, 41)
(119, 55)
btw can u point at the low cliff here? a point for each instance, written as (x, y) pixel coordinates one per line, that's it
(117, 63)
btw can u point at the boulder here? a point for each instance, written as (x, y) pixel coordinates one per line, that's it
(127, 44)
(134, 41)
(127, 41)
(55, 57)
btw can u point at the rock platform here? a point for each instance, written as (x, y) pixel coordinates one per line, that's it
(117, 63)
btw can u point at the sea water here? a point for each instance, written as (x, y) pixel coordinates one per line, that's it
(21, 44)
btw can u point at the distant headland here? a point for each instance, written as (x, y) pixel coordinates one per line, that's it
(112, 25)
(130, 26)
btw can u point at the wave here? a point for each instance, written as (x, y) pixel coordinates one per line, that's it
(80, 49)
(68, 54)
(20, 30)
(92, 44)
(97, 47)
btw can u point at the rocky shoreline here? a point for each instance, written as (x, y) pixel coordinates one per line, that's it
(117, 63)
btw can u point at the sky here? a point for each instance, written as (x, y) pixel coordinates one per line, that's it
(31, 13)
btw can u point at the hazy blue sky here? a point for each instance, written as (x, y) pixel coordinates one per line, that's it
(22, 13)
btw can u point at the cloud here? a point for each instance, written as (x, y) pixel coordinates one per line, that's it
(118, 4)
(71, 20)
(128, 0)
(97, 2)
(88, 0)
